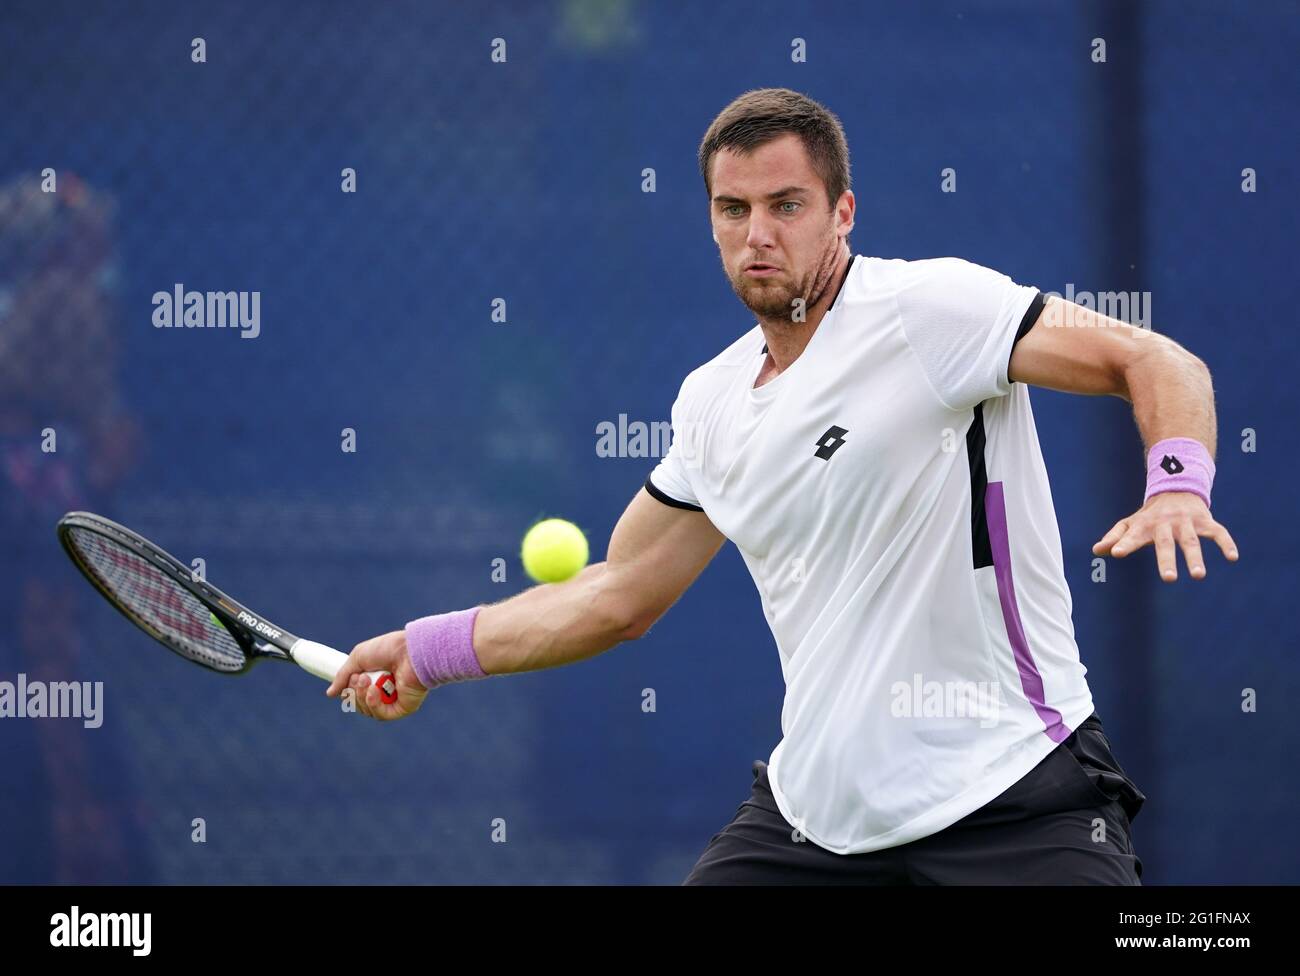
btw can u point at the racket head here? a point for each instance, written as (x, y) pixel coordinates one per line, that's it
(159, 594)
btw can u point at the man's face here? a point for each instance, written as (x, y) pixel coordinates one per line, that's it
(777, 235)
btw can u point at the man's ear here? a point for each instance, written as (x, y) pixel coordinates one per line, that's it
(848, 199)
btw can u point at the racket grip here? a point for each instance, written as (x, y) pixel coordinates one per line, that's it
(324, 662)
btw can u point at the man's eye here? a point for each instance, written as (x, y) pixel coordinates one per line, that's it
(735, 210)
(790, 206)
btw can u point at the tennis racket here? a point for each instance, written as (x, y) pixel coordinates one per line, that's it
(159, 594)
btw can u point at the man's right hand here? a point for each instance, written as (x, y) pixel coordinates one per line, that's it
(387, 652)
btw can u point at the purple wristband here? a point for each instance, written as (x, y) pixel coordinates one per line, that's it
(441, 648)
(1179, 464)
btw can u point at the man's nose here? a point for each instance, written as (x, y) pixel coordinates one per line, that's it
(761, 231)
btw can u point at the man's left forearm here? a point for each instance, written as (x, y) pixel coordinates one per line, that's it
(1171, 392)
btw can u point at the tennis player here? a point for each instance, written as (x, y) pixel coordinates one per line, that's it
(870, 449)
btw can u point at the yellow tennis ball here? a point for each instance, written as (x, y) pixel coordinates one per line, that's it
(554, 550)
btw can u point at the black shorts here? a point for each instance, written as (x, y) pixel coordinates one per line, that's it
(1067, 821)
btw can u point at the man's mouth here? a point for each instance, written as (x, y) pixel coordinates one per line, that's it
(760, 269)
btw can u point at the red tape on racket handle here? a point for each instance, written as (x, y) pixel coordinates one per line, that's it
(386, 684)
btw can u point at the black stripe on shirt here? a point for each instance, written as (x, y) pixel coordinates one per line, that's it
(981, 549)
(667, 500)
(1031, 316)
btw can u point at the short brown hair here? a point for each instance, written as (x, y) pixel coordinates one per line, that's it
(759, 116)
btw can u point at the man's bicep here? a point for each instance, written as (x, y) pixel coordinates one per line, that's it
(1076, 350)
(656, 553)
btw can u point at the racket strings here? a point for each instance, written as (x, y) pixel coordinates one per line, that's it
(161, 604)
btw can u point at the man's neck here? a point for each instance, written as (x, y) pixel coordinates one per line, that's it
(786, 340)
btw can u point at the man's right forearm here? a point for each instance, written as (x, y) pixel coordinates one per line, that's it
(556, 623)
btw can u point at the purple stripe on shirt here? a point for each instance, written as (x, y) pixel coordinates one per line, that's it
(995, 510)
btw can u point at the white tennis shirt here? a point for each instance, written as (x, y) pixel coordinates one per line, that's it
(888, 494)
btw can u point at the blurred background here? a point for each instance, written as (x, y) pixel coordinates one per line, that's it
(480, 179)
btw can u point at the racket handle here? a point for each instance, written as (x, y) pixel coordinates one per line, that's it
(324, 662)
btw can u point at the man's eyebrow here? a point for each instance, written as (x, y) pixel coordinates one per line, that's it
(786, 191)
